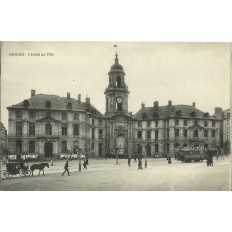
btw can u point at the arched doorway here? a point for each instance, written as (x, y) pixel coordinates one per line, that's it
(48, 149)
(121, 143)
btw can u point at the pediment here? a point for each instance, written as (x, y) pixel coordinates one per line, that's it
(121, 117)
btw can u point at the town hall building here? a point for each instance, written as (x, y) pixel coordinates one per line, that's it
(50, 125)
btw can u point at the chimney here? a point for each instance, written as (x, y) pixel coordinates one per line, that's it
(32, 92)
(68, 95)
(142, 105)
(156, 104)
(194, 104)
(87, 100)
(169, 103)
(79, 98)
(218, 111)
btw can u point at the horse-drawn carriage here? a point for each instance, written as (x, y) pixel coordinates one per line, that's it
(15, 168)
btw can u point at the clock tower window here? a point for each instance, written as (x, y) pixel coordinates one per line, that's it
(119, 82)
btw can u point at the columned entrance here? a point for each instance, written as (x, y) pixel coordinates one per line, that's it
(48, 149)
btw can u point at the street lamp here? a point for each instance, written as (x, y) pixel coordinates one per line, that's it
(146, 156)
(79, 156)
(86, 155)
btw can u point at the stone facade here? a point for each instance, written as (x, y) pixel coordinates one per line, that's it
(226, 131)
(50, 125)
(3, 141)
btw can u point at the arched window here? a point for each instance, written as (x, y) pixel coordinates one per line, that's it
(195, 133)
(76, 117)
(119, 106)
(118, 82)
(64, 116)
(48, 129)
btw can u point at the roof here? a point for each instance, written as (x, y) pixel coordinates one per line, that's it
(116, 66)
(57, 103)
(178, 111)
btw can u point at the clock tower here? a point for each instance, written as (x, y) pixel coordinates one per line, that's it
(117, 91)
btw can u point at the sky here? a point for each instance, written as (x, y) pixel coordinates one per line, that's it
(181, 72)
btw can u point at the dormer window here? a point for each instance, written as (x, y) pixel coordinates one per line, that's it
(69, 106)
(193, 114)
(48, 104)
(206, 115)
(178, 113)
(26, 103)
(144, 115)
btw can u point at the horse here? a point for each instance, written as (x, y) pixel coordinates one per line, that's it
(39, 166)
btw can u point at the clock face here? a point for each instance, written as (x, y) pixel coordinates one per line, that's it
(119, 100)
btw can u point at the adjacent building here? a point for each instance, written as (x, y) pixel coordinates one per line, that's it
(3, 141)
(50, 125)
(226, 131)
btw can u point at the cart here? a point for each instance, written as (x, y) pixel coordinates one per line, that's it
(15, 168)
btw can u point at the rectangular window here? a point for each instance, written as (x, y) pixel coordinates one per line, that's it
(64, 129)
(205, 123)
(167, 122)
(157, 148)
(18, 114)
(18, 128)
(177, 122)
(177, 133)
(148, 124)
(167, 134)
(185, 122)
(139, 124)
(156, 122)
(185, 133)
(64, 146)
(156, 135)
(31, 114)
(100, 134)
(213, 133)
(93, 121)
(139, 134)
(213, 123)
(93, 133)
(76, 130)
(148, 134)
(32, 147)
(31, 129)
(205, 133)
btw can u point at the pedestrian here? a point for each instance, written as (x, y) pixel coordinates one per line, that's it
(167, 156)
(175, 154)
(140, 163)
(85, 165)
(169, 159)
(51, 163)
(129, 160)
(66, 168)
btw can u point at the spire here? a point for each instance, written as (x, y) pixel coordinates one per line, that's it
(116, 58)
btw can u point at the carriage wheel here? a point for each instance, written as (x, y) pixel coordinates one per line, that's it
(3, 174)
(21, 172)
(28, 173)
(7, 174)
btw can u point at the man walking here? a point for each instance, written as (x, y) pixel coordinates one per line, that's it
(66, 168)
(129, 160)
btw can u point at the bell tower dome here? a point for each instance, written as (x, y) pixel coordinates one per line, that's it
(117, 91)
